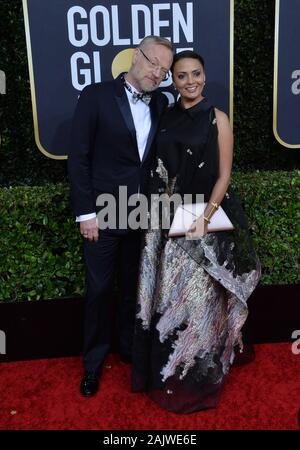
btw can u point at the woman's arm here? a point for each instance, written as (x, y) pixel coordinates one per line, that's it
(225, 141)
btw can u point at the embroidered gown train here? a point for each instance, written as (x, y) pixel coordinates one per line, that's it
(192, 294)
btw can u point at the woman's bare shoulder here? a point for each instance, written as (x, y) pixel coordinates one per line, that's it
(221, 116)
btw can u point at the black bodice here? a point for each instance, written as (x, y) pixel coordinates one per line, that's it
(187, 144)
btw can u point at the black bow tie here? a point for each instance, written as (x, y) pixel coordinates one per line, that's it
(146, 98)
(136, 96)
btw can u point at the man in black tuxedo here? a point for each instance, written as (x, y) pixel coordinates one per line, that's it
(111, 146)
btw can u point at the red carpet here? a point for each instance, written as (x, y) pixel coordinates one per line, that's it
(44, 394)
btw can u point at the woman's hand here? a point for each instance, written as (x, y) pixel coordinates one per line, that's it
(198, 229)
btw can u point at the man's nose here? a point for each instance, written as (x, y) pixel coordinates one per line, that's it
(156, 71)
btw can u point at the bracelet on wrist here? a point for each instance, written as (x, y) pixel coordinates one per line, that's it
(214, 205)
(208, 215)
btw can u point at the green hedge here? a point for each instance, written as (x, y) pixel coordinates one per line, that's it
(271, 202)
(41, 255)
(40, 244)
(255, 146)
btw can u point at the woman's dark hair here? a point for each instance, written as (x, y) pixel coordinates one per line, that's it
(186, 54)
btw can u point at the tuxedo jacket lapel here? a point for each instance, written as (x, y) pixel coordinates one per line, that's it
(155, 111)
(123, 104)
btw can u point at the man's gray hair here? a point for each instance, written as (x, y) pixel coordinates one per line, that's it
(156, 40)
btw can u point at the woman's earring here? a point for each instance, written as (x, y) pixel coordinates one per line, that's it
(175, 88)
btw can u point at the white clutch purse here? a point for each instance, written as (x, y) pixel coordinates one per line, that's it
(186, 214)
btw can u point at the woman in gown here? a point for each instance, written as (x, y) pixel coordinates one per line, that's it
(192, 295)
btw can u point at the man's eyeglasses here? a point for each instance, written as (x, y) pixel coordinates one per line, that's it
(164, 73)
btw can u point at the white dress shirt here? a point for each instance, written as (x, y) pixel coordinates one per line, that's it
(142, 122)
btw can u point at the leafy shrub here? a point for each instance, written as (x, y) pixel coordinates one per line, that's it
(40, 246)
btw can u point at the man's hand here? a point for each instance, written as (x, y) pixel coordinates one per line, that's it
(89, 229)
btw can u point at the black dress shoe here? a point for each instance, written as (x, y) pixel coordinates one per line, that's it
(89, 384)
